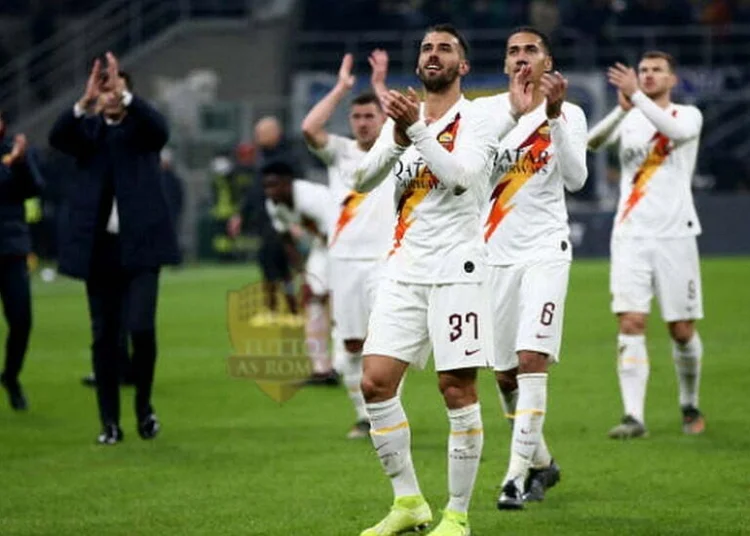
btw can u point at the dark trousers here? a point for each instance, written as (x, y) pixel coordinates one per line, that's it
(121, 301)
(15, 291)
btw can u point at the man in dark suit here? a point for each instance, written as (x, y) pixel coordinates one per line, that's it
(119, 232)
(19, 180)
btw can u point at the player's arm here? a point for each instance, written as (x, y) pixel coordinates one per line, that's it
(679, 128)
(478, 134)
(313, 126)
(316, 204)
(470, 156)
(567, 132)
(606, 131)
(379, 160)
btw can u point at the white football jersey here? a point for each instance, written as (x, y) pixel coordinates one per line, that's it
(364, 221)
(656, 199)
(312, 210)
(525, 217)
(436, 238)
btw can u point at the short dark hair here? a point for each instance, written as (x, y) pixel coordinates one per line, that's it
(450, 29)
(368, 97)
(278, 167)
(660, 54)
(540, 34)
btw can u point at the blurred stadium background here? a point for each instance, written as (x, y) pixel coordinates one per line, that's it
(230, 460)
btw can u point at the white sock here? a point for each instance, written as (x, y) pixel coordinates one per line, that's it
(687, 361)
(633, 369)
(317, 331)
(542, 457)
(392, 440)
(508, 401)
(527, 429)
(352, 374)
(464, 451)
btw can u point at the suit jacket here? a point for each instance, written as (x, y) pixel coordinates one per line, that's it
(18, 182)
(128, 155)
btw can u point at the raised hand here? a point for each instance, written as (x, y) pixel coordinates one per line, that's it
(378, 61)
(623, 78)
(521, 92)
(346, 78)
(114, 82)
(93, 86)
(553, 86)
(17, 152)
(404, 110)
(624, 102)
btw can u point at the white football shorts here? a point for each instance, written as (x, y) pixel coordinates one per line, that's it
(666, 267)
(528, 306)
(408, 320)
(353, 285)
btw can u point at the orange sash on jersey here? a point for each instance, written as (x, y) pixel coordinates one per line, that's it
(348, 211)
(420, 186)
(656, 156)
(516, 177)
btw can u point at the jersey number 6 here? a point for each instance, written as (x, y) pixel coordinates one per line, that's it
(548, 312)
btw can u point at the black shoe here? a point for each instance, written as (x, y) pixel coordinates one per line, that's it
(325, 379)
(89, 380)
(148, 428)
(111, 435)
(360, 430)
(16, 397)
(693, 421)
(540, 480)
(510, 497)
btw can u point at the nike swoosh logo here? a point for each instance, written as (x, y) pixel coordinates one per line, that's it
(471, 352)
(538, 336)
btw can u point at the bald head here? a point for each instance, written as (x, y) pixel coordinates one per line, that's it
(268, 132)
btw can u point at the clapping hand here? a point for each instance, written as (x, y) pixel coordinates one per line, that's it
(623, 78)
(553, 87)
(404, 110)
(521, 91)
(18, 152)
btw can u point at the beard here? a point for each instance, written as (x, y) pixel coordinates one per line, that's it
(441, 83)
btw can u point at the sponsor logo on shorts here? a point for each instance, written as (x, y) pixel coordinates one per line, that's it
(471, 352)
(540, 336)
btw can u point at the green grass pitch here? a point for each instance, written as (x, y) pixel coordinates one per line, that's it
(232, 461)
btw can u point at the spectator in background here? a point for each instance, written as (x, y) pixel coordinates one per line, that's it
(244, 170)
(545, 16)
(19, 180)
(224, 204)
(269, 141)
